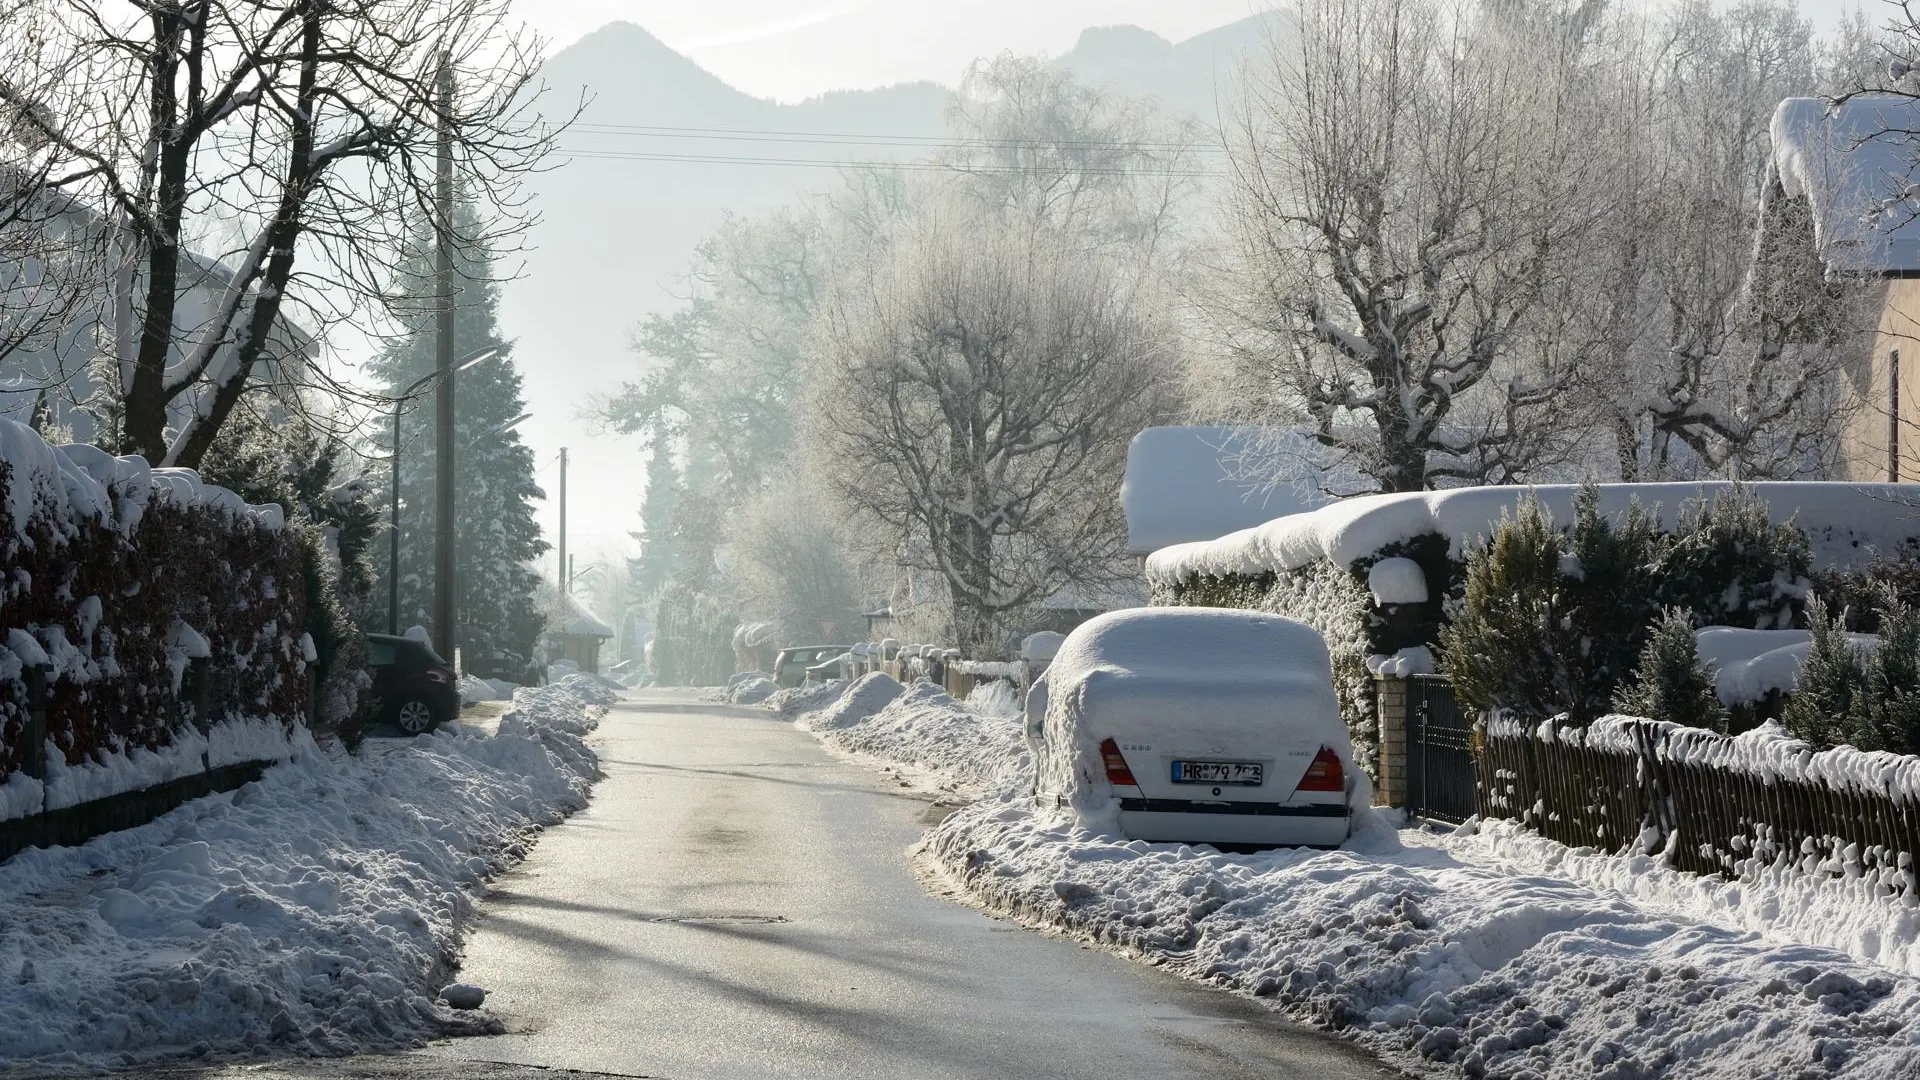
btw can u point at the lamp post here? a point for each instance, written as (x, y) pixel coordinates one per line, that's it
(393, 509)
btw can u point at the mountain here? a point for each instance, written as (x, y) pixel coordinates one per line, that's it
(661, 149)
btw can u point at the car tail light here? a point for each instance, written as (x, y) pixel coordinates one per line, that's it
(1117, 771)
(1325, 774)
(436, 675)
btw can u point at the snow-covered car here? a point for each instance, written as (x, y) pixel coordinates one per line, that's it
(1197, 725)
(790, 667)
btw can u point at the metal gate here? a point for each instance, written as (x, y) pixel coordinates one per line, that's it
(1439, 752)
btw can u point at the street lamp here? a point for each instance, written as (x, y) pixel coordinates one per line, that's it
(393, 508)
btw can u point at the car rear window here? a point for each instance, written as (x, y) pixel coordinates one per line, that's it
(381, 653)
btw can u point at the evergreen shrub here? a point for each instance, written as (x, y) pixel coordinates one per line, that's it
(1670, 681)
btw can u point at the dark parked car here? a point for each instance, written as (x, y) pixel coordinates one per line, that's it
(790, 667)
(415, 687)
(828, 670)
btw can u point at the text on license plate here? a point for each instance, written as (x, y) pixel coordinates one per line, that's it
(1251, 773)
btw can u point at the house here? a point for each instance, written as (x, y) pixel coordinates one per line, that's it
(63, 309)
(575, 635)
(1842, 181)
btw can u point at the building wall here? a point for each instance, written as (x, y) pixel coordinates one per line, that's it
(1871, 414)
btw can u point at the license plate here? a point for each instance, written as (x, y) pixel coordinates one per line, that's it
(1249, 773)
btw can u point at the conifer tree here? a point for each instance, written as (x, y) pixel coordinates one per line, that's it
(496, 538)
(1821, 708)
(1670, 683)
(1887, 715)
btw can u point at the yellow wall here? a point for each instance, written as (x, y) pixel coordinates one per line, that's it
(1868, 409)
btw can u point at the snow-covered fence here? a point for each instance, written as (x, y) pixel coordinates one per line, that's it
(1711, 804)
(152, 628)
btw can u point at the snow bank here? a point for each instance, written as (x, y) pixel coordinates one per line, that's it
(861, 699)
(973, 746)
(803, 698)
(752, 690)
(1846, 523)
(1444, 966)
(316, 911)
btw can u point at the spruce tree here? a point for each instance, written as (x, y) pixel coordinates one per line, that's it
(1886, 716)
(1670, 683)
(1832, 679)
(496, 537)
(1506, 646)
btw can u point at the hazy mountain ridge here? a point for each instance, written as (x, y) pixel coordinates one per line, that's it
(622, 214)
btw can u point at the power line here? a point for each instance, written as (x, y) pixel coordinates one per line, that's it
(663, 131)
(906, 166)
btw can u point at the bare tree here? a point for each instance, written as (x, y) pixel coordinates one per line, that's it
(979, 390)
(789, 562)
(307, 129)
(1404, 196)
(1728, 333)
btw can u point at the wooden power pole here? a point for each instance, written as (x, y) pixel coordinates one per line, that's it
(443, 474)
(564, 574)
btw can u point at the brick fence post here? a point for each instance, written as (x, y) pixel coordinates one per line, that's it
(1390, 696)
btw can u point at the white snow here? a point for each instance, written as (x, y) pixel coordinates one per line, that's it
(1483, 952)
(1415, 660)
(1180, 676)
(1043, 646)
(1853, 164)
(1397, 581)
(1188, 483)
(1845, 523)
(1748, 664)
(757, 687)
(316, 911)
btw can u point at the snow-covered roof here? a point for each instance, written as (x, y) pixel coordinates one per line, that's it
(1186, 483)
(1853, 163)
(572, 619)
(1846, 523)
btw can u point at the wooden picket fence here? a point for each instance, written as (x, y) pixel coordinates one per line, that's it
(1652, 798)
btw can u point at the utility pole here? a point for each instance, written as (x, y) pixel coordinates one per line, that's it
(443, 592)
(566, 579)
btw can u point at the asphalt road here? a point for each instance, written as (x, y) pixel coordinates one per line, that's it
(738, 903)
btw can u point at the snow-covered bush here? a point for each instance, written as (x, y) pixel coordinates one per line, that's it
(1730, 562)
(118, 578)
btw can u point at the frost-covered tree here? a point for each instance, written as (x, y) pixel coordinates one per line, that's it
(1409, 182)
(790, 563)
(292, 143)
(1830, 682)
(980, 391)
(496, 538)
(1671, 683)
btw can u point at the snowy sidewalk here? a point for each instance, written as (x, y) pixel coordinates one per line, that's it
(316, 911)
(1496, 954)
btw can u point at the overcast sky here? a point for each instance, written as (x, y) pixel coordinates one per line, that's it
(794, 49)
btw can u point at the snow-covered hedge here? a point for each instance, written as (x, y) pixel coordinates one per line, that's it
(118, 579)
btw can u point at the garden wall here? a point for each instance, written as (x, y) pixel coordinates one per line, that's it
(152, 627)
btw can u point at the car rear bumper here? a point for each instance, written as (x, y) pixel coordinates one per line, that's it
(1275, 824)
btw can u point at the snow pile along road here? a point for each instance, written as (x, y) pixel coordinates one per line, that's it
(316, 911)
(1450, 955)
(973, 745)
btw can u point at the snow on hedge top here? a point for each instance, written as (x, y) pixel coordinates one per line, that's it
(1852, 163)
(1184, 484)
(1749, 664)
(1845, 522)
(79, 482)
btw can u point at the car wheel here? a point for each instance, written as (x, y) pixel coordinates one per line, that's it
(415, 717)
